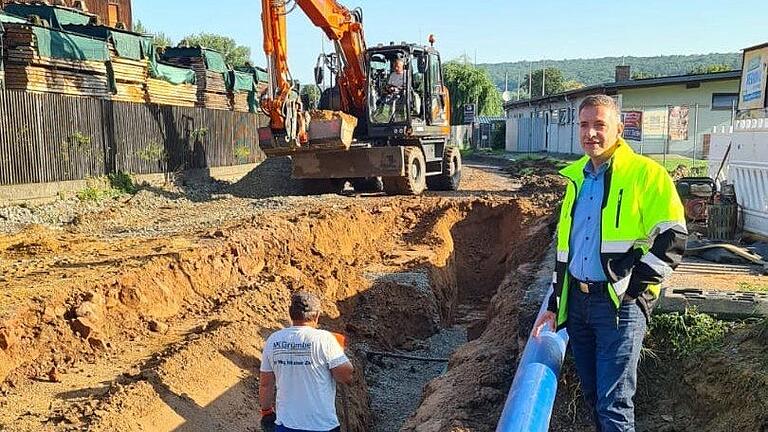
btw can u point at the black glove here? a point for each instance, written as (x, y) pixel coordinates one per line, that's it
(268, 422)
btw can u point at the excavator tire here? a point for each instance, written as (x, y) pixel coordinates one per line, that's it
(450, 178)
(323, 186)
(414, 182)
(368, 185)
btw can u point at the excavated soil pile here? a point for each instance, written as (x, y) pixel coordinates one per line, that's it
(538, 175)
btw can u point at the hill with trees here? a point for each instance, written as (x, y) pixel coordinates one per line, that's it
(600, 70)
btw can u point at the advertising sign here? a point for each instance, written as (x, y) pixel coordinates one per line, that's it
(469, 113)
(753, 79)
(633, 125)
(678, 123)
(655, 123)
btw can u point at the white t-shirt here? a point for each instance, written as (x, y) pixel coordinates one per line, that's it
(301, 359)
(397, 79)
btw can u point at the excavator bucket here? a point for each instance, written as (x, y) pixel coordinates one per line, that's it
(328, 130)
(331, 130)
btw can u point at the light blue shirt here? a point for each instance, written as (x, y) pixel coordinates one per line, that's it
(585, 232)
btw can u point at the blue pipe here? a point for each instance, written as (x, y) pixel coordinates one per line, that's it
(529, 404)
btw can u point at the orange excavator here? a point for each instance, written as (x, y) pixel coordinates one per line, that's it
(382, 123)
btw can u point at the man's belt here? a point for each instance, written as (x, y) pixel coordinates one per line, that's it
(590, 287)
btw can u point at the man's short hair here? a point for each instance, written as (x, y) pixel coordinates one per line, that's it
(599, 100)
(305, 306)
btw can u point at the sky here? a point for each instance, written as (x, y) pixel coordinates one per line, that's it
(490, 31)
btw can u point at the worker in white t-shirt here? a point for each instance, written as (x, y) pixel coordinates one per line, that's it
(304, 363)
(396, 81)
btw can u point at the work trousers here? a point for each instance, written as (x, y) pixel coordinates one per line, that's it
(606, 351)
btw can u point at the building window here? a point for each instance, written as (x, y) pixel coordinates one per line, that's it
(113, 14)
(724, 101)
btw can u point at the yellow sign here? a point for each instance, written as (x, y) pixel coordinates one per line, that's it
(753, 79)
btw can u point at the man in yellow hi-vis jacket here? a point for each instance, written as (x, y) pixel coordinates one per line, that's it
(621, 232)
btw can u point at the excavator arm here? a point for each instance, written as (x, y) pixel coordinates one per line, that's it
(342, 26)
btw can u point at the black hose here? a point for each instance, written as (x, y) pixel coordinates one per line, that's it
(406, 357)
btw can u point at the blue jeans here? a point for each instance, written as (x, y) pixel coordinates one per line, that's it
(606, 353)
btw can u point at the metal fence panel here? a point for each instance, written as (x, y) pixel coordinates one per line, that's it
(531, 134)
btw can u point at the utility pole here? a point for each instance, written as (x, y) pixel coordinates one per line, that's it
(519, 80)
(543, 78)
(530, 80)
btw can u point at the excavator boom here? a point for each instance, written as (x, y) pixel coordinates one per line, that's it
(342, 26)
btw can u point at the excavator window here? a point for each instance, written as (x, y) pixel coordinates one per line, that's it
(388, 85)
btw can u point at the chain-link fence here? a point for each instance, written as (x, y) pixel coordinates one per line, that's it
(677, 136)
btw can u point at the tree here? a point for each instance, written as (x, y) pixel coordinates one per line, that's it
(468, 84)
(159, 39)
(711, 68)
(234, 54)
(553, 84)
(310, 95)
(643, 75)
(572, 85)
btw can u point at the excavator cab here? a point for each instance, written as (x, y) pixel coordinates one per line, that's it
(406, 95)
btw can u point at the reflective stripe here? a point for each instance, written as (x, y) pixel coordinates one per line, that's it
(616, 246)
(663, 227)
(554, 277)
(611, 274)
(660, 267)
(562, 256)
(621, 286)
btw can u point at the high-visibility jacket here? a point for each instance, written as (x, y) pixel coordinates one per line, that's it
(643, 230)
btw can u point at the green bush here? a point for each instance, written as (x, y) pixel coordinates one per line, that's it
(688, 333)
(122, 182)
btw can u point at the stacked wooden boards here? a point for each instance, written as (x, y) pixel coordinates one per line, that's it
(210, 79)
(29, 70)
(130, 77)
(240, 101)
(162, 92)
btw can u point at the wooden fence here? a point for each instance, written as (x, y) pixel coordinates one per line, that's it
(50, 138)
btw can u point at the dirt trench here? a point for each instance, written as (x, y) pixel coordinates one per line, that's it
(172, 342)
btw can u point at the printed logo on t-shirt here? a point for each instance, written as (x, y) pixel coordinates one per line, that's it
(292, 354)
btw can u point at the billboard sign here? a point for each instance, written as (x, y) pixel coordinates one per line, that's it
(753, 79)
(678, 123)
(469, 113)
(633, 125)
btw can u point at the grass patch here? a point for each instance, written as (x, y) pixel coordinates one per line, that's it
(688, 334)
(96, 193)
(109, 187)
(672, 162)
(752, 287)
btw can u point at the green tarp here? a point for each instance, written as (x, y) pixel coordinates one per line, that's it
(5, 18)
(57, 44)
(56, 17)
(261, 75)
(242, 81)
(214, 61)
(129, 45)
(172, 74)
